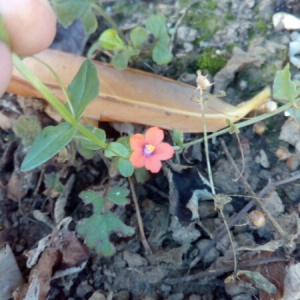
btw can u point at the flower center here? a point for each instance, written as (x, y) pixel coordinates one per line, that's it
(148, 150)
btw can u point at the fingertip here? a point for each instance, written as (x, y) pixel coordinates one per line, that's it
(6, 67)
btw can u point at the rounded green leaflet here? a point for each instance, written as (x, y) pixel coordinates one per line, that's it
(116, 149)
(109, 40)
(138, 36)
(125, 167)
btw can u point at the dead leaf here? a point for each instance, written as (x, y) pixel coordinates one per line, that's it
(270, 246)
(292, 282)
(10, 275)
(73, 251)
(18, 185)
(43, 270)
(58, 254)
(134, 96)
(274, 272)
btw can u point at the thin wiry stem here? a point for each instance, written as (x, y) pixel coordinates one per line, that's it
(138, 215)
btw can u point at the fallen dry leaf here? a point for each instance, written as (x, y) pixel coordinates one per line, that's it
(40, 276)
(292, 282)
(15, 187)
(73, 252)
(10, 275)
(58, 252)
(135, 96)
(272, 271)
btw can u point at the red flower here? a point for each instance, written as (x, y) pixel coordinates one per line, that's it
(148, 151)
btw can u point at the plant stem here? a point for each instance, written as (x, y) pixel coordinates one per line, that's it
(231, 241)
(60, 84)
(211, 181)
(139, 217)
(240, 125)
(43, 90)
(61, 109)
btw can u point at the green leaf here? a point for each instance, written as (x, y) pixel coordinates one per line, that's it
(161, 54)
(84, 88)
(138, 35)
(177, 137)
(157, 26)
(68, 10)
(284, 89)
(3, 33)
(86, 153)
(28, 129)
(125, 141)
(52, 181)
(120, 60)
(141, 175)
(49, 142)
(294, 112)
(118, 196)
(87, 143)
(109, 40)
(116, 149)
(125, 167)
(97, 228)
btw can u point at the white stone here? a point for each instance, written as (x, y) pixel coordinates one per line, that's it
(285, 21)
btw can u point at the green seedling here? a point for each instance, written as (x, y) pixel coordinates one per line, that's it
(97, 228)
(125, 51)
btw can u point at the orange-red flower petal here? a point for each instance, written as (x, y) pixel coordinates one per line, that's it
(163, 151)
(153, 164)
(137, 142)
(154, 136)
(137, 159)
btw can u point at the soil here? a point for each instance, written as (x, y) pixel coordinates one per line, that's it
(171, 270)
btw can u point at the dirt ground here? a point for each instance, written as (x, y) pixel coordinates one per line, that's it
(189, 257)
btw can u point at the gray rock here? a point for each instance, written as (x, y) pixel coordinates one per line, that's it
(133, 259)
(186, 34)
(212, 254)
(183, 235)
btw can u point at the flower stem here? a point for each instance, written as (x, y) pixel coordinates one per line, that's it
(43, 90)
(60, 84)
(240, 125)
(61, 109)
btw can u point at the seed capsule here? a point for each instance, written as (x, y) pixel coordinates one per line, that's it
(293, 162)
(269, 106)
(282, 153)
(259, 128)
(257, 218)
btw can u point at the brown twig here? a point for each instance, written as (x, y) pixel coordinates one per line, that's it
(139, 218)
(215, 273)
